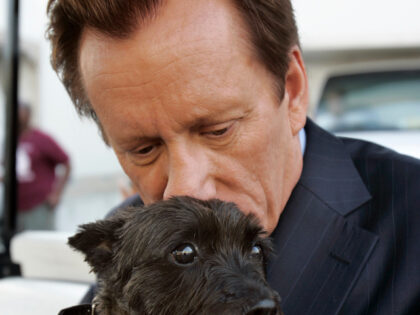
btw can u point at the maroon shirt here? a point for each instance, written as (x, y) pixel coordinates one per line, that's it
(37, 156)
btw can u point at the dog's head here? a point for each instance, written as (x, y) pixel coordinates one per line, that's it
(181, 256)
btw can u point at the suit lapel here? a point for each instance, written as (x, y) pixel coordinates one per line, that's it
(318, 253)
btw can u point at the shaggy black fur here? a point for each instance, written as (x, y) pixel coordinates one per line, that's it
(181, 256)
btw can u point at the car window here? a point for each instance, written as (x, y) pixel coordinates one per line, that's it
(371, 101)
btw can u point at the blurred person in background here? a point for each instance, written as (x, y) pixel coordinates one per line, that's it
(208, 98)
(40, 183)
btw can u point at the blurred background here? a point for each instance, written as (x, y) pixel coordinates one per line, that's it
(95, 174)
(363, 63)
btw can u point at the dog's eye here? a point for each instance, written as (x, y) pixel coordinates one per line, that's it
(256, 252)
(184, 254)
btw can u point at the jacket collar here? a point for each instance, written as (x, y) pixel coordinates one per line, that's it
(329, 172)
(318, 252)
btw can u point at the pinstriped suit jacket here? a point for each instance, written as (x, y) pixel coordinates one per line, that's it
(348, 241)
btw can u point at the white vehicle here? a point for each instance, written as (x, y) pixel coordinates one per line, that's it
(381, 106)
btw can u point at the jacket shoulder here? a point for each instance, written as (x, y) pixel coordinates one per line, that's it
(372, 159)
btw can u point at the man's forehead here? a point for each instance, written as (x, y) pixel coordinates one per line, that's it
(192, 36)
(192, 19)
(177, 26)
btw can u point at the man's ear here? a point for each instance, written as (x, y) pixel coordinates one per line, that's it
(296, 90)
(96, 241)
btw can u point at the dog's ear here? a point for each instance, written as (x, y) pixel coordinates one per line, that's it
(96, 241)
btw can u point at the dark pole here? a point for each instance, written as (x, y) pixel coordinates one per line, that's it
(11, 55)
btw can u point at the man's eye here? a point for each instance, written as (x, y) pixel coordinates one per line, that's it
(219, 132)
(145, 150)
(145, 155)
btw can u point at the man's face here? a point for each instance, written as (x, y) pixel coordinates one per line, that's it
(189, 110)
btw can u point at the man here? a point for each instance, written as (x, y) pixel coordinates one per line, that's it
(39, 187)
(209, 99)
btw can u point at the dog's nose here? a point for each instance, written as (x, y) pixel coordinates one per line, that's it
(264, 307)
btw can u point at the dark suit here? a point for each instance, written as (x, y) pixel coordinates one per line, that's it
(348, 241)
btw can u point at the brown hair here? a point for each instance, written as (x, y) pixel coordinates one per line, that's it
(271, 26)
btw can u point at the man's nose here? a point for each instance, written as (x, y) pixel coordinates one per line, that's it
(189, 173)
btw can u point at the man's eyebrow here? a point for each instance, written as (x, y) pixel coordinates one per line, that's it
(202, 119)
(134, 142)
(217, 118)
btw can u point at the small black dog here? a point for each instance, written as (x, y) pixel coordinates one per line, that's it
(181, 256)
